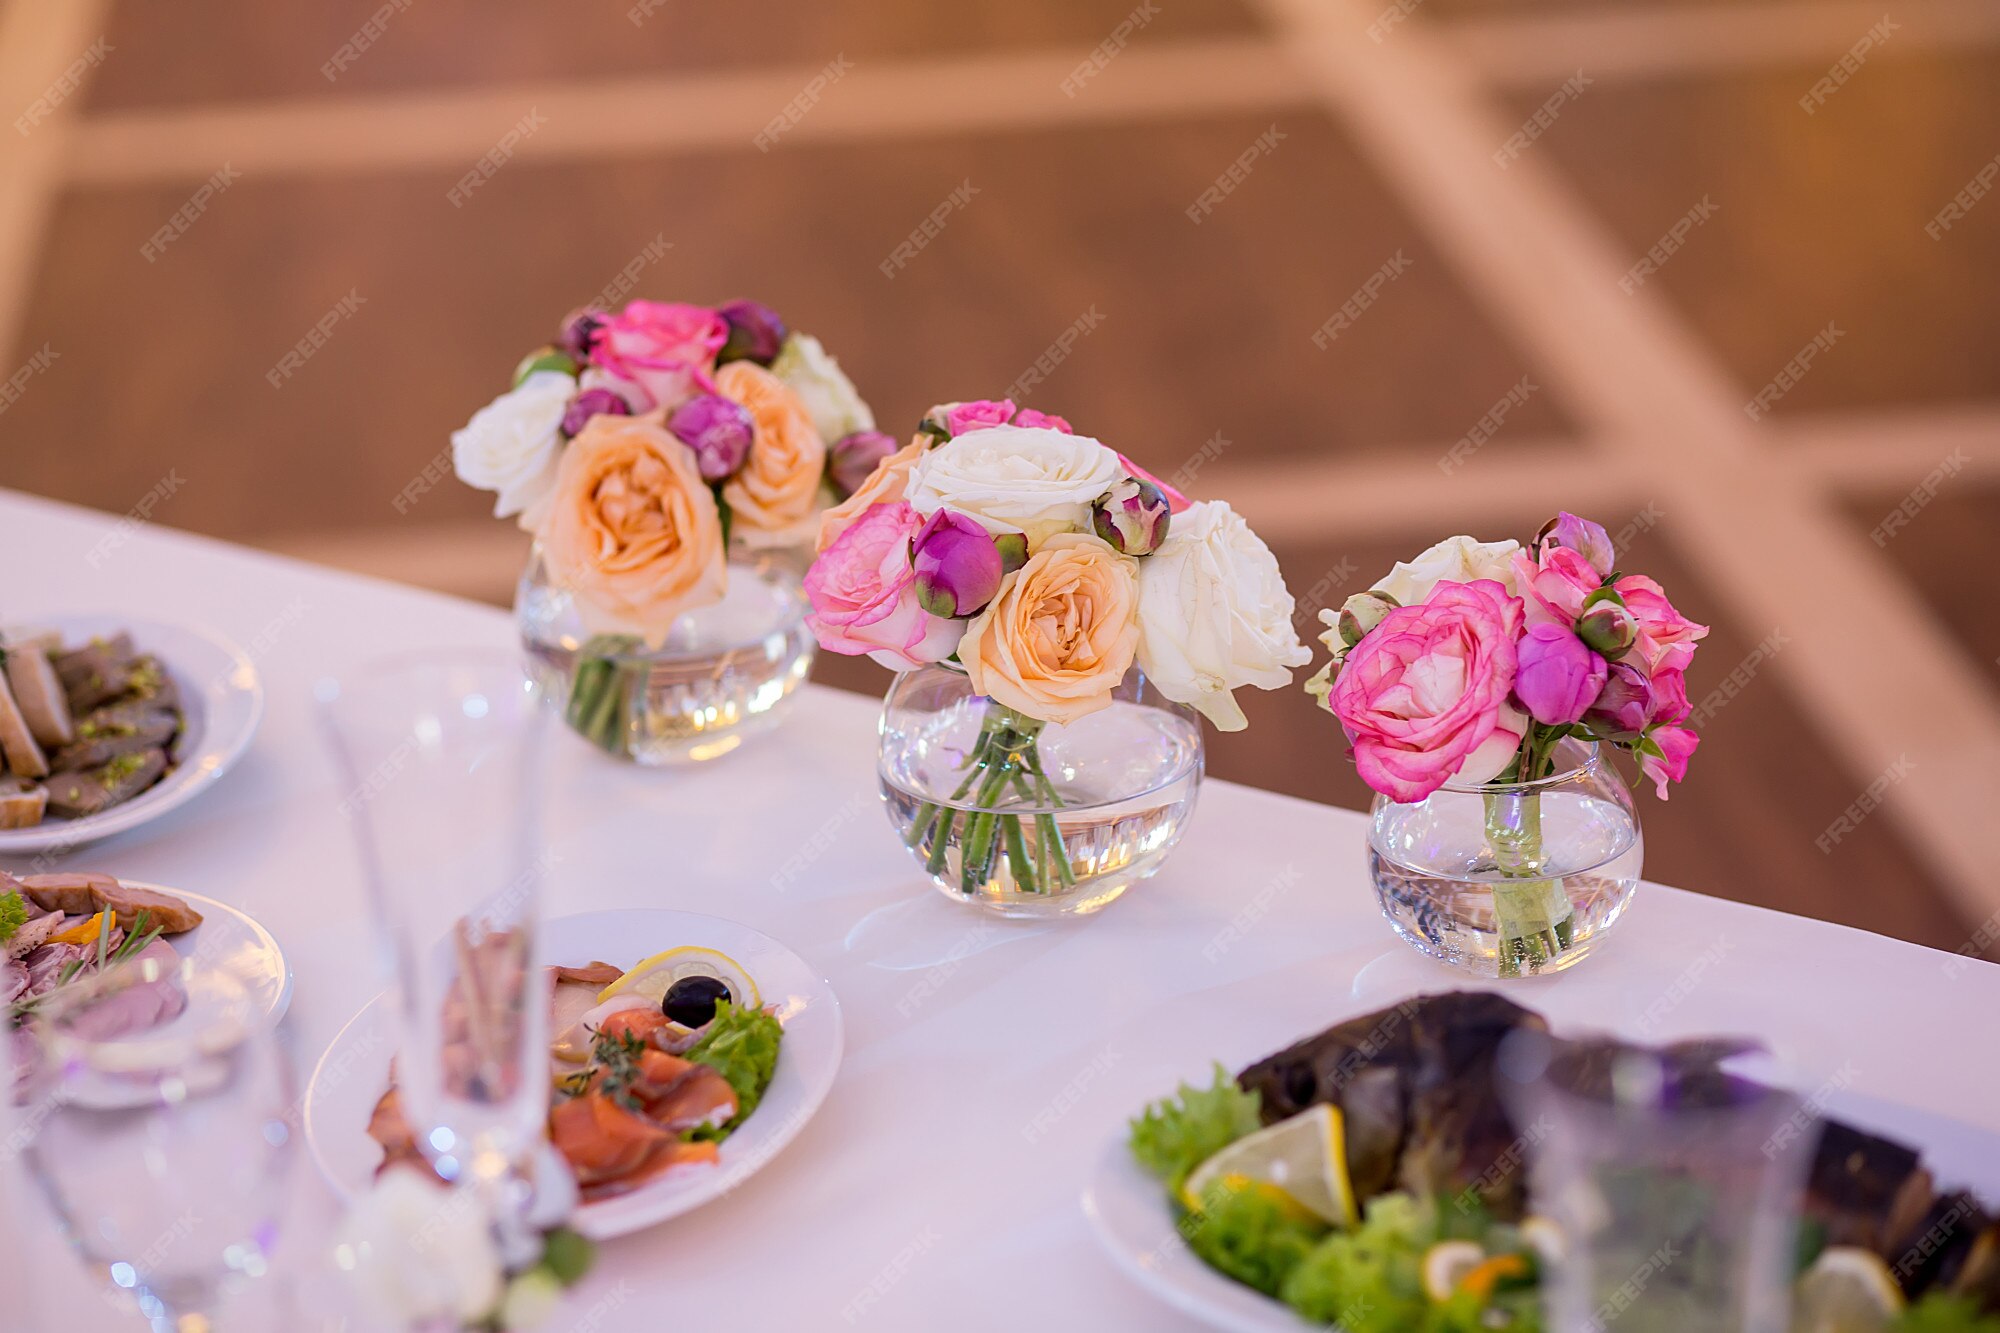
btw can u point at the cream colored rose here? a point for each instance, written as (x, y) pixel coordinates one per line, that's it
(773, 498)
(633, 533)
(884, 485)
(1214, 614)
(1453, 560)
(1016, 479)
(418, 1252)
(830, 398)
(1061, 633)
(510, 444)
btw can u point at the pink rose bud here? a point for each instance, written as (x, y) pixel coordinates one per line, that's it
(1663, 756)
(1132, 517)
(544, 358)
(1587, 539)
(1606, 625)
(854, 457)
(1028, 416)
(577, 332)
(718, 429)
(962, 417)
(755, 333)
(591, 403)
(1363, 612)
(956, 563)
(1557, 678)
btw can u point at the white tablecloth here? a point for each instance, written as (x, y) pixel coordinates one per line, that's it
(987, 1062)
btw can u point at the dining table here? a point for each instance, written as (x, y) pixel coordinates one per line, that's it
(989, 1064)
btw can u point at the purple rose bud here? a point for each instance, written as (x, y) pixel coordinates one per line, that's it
(1558, 678)
(591, 403)
(577, 331)
(1587, 539)
(718, 429)
(1363, 612)
(957, 565)
(1132, 516)
(853, 458)
(755, 333)
(1626, 701)
(1606, 625)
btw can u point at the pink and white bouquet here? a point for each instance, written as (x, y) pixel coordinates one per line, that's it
(1470, 663)
(646, 443)
(1046, 566)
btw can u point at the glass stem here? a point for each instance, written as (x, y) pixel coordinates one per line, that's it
(1531, 914)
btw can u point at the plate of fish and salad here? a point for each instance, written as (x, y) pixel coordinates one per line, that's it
(1371, 1177)
(685, 1052)
(108, 722)
(65, 930)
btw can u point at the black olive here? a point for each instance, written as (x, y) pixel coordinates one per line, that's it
(691, 1001)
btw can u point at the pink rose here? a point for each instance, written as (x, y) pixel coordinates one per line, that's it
(1558, 677)
(1670, 696)
(1666, 637)
(1176, 501)
(864, 594)
(1424, 696)
(1556, 587)
(1028, 416)
(663, 350)
(1676, 746)
(980, 412)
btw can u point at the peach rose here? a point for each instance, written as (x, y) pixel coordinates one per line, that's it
(883, 486)
(1061, 634)
(632, 531)
(772, 497)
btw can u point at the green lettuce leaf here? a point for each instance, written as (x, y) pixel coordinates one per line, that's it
(1176, 1134)
(741, 1045)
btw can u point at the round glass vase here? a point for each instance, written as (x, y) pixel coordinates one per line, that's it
(1035, 819)
(1510, 879)
(723, 673)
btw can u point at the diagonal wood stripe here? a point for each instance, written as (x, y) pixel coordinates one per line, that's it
(1778, 552)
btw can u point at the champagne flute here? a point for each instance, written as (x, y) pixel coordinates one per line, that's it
(443, 760)
(162, 1151)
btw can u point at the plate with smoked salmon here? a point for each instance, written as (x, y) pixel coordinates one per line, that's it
(684, 1053)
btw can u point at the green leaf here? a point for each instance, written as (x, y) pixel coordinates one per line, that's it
(1249, 1235)
(1939, 1313)
(1176, 1134)
(13, 914)
(742, 1046)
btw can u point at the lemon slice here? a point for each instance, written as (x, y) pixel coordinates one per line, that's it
(1448, 1263)
(1847, 1290)
(1545, 1238)
(653, 977)
(1302, 1158)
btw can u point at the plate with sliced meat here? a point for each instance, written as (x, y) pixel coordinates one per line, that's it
(685, 1052)
(108, 722)
(55, 929)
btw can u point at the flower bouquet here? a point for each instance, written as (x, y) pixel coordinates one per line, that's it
(1486, 668)
(653, 451)
(1057, 581)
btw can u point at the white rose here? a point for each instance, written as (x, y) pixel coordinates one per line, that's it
(1214, 614)
(419, 1251)
(510, 445)
(831, 399)
(1015, 479)
(1453, 560)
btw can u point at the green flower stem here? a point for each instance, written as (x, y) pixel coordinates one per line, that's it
(940, 843)
(1532, 917)
(602, 691)
(1017, 856)
(1003, 764)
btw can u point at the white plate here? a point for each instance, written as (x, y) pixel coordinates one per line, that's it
(221, 702)
(229, 937)
(1133, 1218)
(351, 1076)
